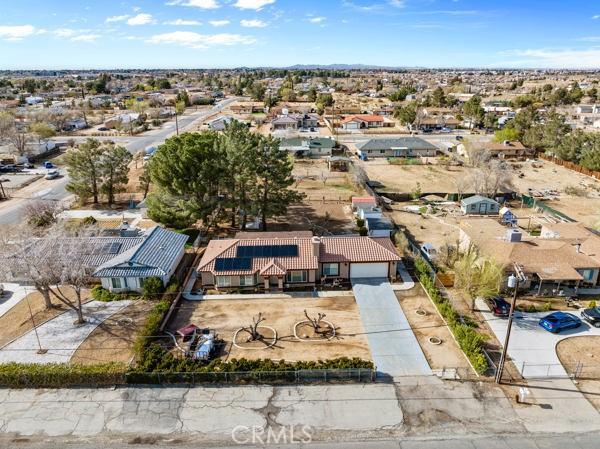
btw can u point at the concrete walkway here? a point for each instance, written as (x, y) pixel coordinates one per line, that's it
(532, 348)
(13, 294)
(59, 336)
(407, 282)
(394, 347)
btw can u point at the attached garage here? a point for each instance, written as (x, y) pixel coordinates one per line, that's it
(369, 270)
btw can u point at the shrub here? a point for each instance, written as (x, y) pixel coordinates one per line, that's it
(469, 340)
(101, 294)
(152, 287)
(360, 223)
(61, 375)
(363, 231)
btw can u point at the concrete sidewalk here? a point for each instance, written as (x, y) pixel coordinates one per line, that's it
(394, 347)
(13, 294)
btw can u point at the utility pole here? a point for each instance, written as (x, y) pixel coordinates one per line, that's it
(513, 282)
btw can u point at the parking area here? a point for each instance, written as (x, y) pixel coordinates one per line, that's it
(533, 349)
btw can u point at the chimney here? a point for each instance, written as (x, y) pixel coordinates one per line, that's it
(316, 245)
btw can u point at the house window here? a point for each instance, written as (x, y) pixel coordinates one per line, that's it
(381, 151)
(117, 283)
(223, 281)
(297, 276)
(588, 275)
(331, 269)
(247, 281)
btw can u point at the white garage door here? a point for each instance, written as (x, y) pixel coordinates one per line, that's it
(369, 270)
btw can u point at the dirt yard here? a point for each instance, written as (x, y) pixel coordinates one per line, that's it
(445, 355)
(582, 202)
(112, 340)
(227, 316)
(584, 350)
(326, 206)
(17, 321)
(438, 231)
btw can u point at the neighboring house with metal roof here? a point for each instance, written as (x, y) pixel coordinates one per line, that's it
(399, 147)
(379, 226)
(220, 123)
(319, 146)
(157, 254)
(287, 260)
(479, 205)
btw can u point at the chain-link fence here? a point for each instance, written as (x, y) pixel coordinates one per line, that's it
(577, 370)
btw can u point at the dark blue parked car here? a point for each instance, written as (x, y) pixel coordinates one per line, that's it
(560, 321)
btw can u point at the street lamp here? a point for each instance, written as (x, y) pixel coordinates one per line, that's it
(513, 282)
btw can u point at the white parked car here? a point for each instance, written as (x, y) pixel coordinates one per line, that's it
(51, 174)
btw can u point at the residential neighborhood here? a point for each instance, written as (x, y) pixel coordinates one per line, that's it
(239, 223)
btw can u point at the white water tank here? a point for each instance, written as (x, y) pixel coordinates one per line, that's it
(513, 235)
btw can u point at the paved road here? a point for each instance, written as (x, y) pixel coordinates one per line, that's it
(394, 347)
(11, 211)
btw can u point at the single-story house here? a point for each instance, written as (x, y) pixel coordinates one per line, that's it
(284, 260)
(295, 121)
(400, 147)
(379, 226)
(362, 121)
(319, 146)
(566, 255)
(508, 149)
(247, 108)
(157, 254)
(220, 123)
(479, 205)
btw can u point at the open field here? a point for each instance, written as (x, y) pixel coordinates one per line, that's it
(113, 339)
(227, 315)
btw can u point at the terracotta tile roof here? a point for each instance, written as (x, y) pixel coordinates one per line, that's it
(357, 249)
(331, 249)
(363, 118)
(363, 200)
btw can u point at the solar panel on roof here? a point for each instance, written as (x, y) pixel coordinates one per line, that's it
(107, 248)
(262, 251)
(229, 264)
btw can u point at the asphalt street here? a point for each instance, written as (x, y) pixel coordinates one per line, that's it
(12, 210)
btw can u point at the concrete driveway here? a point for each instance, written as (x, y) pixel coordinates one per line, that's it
(394, 347)
(533, 349)
(13, 294)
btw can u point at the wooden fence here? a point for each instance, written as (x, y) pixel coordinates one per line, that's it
(571, 166)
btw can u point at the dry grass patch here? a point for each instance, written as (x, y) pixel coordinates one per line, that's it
(113, 339)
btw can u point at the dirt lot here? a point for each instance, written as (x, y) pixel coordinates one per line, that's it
(17, 321)
(446, 355)
(584, 206)
(112, 340)
(227, 316)
(583, 350)
(326, 206)
(438, 231)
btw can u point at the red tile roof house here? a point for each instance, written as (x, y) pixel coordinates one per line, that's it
(363, 121)
(285, 260)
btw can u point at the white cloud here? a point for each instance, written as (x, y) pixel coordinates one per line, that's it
(202, 4)
(596, 17)
(201, 41)
(64, 32)
(85, 38)
(253, 23)
(117, 18)
(253, 4)
(589, 39)
(219, 23)
(16, 33)
(554, 58)
(182, 22)
(316, 19)
(141, 19)
(397, 3)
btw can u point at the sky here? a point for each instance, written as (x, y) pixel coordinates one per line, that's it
(86, 34)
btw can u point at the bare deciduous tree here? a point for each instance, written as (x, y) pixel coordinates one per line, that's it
(315, 322)
(253, 328)
(41, 214)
